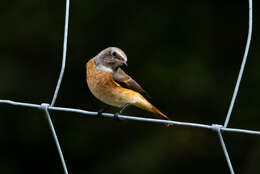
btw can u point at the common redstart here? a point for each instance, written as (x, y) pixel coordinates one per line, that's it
(110, 84)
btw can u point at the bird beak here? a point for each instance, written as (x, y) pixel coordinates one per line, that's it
(125, 64)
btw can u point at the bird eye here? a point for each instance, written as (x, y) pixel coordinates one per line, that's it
(113, 53)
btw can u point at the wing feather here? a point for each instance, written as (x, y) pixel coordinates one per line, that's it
(126, 81)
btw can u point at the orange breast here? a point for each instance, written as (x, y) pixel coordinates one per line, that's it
(103, 87)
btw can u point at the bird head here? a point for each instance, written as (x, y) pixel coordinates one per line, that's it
(110, 59)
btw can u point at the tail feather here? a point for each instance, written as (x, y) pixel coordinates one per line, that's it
(144, 104)
(159, 114)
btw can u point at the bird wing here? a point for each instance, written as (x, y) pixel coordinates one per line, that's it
(126, 81)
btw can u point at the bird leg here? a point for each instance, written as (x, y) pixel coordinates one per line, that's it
(122, 109)
(100, 111)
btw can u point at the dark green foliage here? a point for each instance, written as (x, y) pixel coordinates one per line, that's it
(193, 50)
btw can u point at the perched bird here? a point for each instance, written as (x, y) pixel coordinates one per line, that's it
(110, 84)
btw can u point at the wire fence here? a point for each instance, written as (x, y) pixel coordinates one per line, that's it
(214, 127)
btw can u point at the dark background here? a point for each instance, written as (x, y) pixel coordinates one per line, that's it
(186, 54)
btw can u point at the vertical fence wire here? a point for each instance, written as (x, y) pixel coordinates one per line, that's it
(249, 36)
(225, 152)
(66, 26)
(45, 108)
(243, 63)
(218, 128)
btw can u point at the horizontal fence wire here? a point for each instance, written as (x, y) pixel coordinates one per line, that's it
(126, 117)
(214, 127)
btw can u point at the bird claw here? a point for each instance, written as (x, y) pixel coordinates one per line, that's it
(116, 118)
(100, 115)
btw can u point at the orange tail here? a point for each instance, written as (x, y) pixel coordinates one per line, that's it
(144, 104)
(158, 113)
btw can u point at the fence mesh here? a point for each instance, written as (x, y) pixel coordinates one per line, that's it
(45, 107)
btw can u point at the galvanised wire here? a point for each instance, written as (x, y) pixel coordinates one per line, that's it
(45, 108)
(215, 127)
(218, 128)
(249, 36)
(66, 27)
(126, 117)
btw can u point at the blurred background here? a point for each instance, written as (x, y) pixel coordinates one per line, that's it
(186, 54)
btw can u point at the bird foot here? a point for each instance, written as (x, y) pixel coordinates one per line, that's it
(99, 115)
(116, 118)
